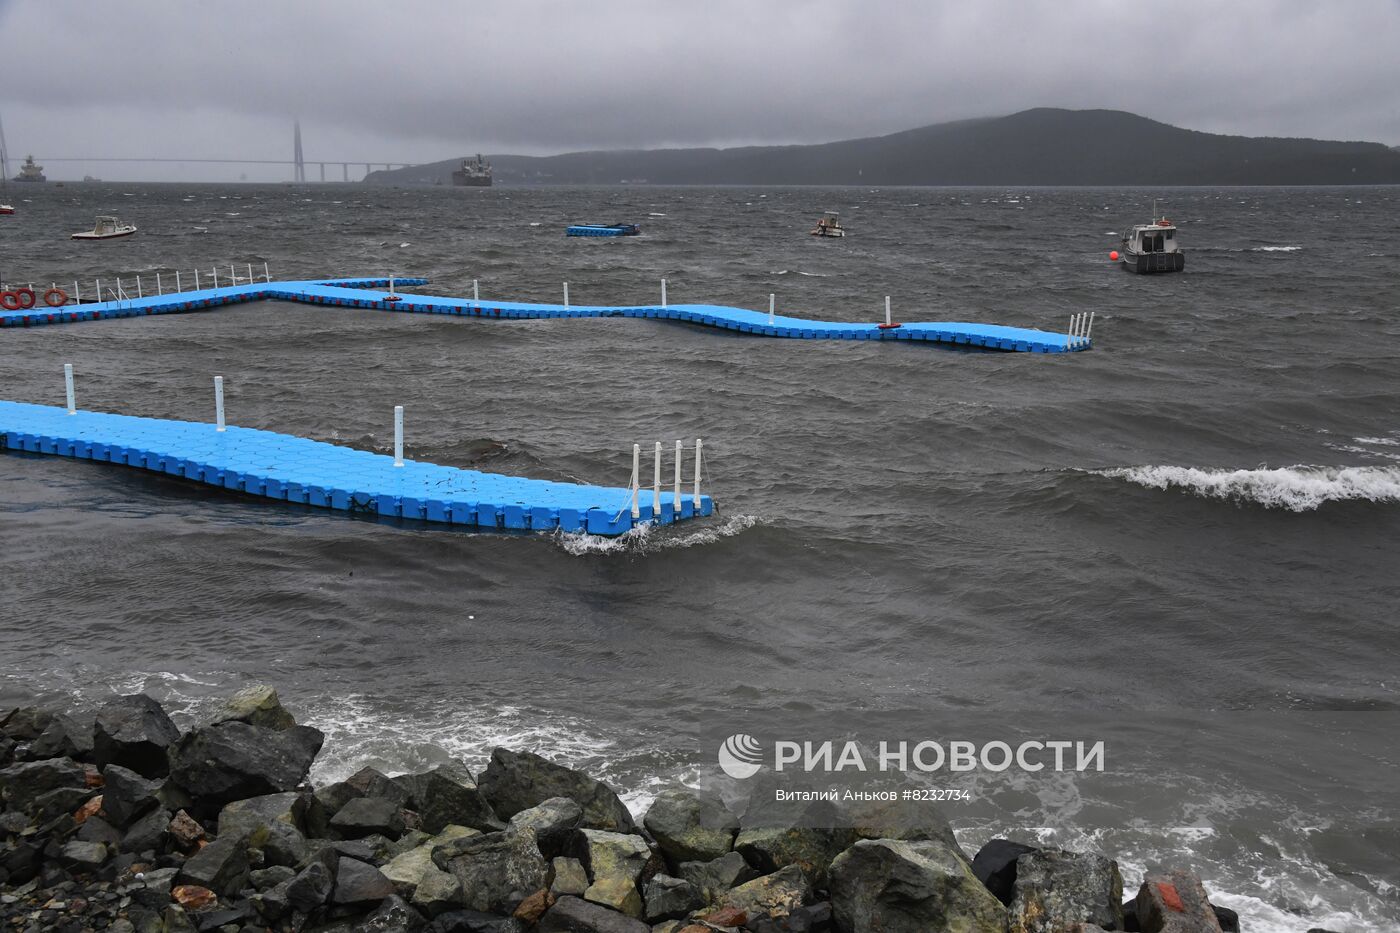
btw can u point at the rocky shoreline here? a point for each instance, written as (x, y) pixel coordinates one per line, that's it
(121, 822)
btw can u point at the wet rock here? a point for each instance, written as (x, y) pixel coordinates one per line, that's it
(715, 877)
(436, 891)
(407, 868)
(134, 732)
(449, 795)
(63, 737)
(896, 886)
(1055, 889)
(264, 878)
(253, 812)
(83, 857)
(1175, 902)
(126, 794)
(496, 870)
(96, 829)
(257, 705)
(59, 802)
(775, 895)
(570, 877)
(689, 827)
(177, 920)
(533, 907)
(810, 848)
(310, 888)
(193, 897)
(7, 749)
(26, 723)
(394, 915)
(369, 782)
(725, 917)
(91, 808)
(615, 862)
(221, 866)
(574, 915)
(515, 781)
(802, 920)
(473, 921)
(185, 831)
(554, 821)
(233, 760)
(995, 867)
(147, 833)
(364, 816)
(669, 898)
(21, 785)
(1229, 920)
(358, 882)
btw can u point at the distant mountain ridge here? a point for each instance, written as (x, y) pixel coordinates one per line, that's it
(1044, 146)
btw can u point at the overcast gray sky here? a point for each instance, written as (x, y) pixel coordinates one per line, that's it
(413, 80)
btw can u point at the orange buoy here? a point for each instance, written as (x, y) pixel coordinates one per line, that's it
(1113, 255)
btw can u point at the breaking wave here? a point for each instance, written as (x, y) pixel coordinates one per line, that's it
(1296, 488)
(647, 538)
(1274, 249)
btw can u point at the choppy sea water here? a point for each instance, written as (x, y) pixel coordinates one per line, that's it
(1181, 543)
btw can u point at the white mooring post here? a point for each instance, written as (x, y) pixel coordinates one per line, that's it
(266, 274)
(160, 289)
(232, 276)
(77, 295)
(215, 273)
(391, 285)
(636, 479)
(68, 388)
(138, 288)
(219, 403)
(398, 435)
(476, 293)
(177, 281)
(566, 294)
(663, 293)
(696, 499)
(888, 319)
(196, 280)
(99, 290)
(250, 273)
(772, 303)
(1089, 331)
(676, 492)
(656, 485)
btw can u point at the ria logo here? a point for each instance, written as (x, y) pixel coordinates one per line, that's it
(741, 756)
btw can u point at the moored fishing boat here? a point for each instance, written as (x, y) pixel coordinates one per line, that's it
(106, 228)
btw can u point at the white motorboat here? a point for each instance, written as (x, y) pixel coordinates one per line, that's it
(106, 228)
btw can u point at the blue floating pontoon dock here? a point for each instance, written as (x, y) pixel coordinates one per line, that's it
(312, 473)
(365, 293)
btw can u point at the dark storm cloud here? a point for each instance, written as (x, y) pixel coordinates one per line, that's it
(414, 81)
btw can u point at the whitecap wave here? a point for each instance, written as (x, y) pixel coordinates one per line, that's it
(648, 538)
(814, 275)
(1296, 488)
(1274, 249)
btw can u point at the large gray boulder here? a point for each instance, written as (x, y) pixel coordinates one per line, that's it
(126, 794)
(221, 866)
(365, 816)
(555, 822)
(995, 866)
(272, 823)
(616, 862)
(808, 835)
(22, 785)
(134, 732)
(63, 737)
(689, 827)
(256, 705)
(668, 898)
(233, 760)
(448, 796)
(515, 781)
(26, 723)
(358, 882)
(717, 876)
(1175, 902)
(496, 870)
(771, 896)
(910, 887)
(1056, 889)
(574, 915)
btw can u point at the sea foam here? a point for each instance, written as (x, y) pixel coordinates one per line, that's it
(1296, 488)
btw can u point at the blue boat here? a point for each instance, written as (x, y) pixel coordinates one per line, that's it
(604, 230)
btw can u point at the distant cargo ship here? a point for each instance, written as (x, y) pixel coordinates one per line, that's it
(473, 174)
(30, 172)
